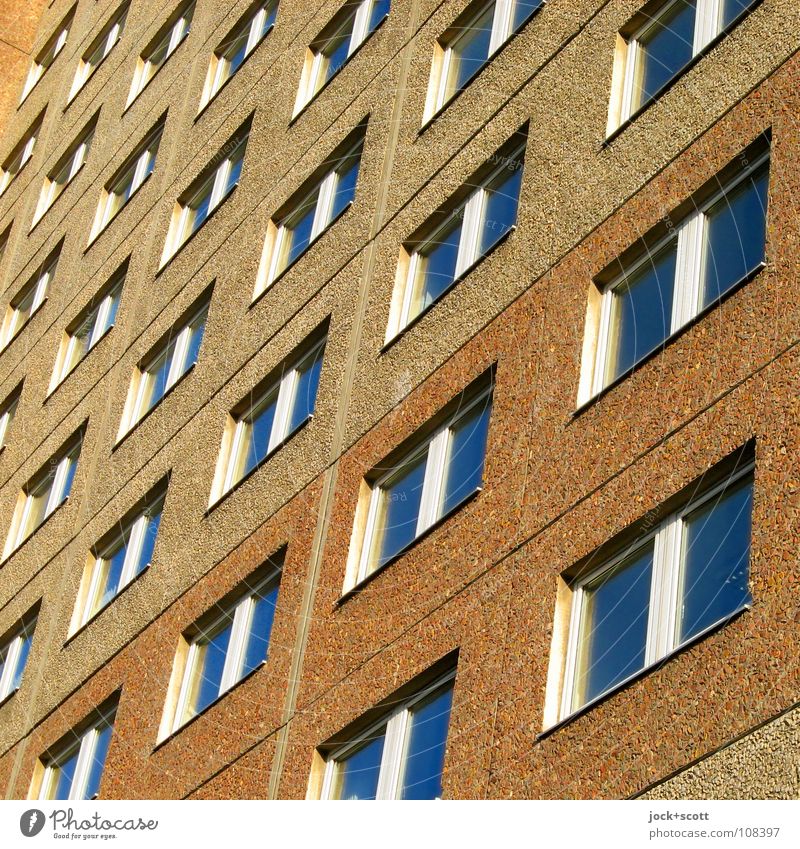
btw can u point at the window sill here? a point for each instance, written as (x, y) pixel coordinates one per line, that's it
(155, 406)
(489, 59)
(621, 378)
(95, 236)
(681, 73)
(264, 460)
(456, 280)
(644, 671)
(202, 110)
(356, 588)
(330, 79)
(32, 534)
(297, 259)
(191, 236)
(75, 634)
(175, 732)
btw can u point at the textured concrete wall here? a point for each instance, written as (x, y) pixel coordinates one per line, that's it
(556, 485)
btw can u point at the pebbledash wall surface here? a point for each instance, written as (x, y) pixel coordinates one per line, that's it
(569, 476)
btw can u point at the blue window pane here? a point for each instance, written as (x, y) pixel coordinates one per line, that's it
(664, 50)
(235, 52)
(98, 762)
(269, 19)
(305, 396)
(470, 51)
(157, 379)
(357, 775)
(437, 266)
(260, 628)
(502, 198)
(258, 436)
(642, 311)
(211, 666)
(614, 627)
(731, 9)
(523, 9)
(149, 541)
(466, 453)
(422, 776)
(338, 48)
(735, 236)
(113, 575)
(717, 565)
(235, 172)
(195, 340)
(112, 309)
(397, 520)
(345, 187)
(72, 467)
(22, 658)
(65, 777)
(201, 210)
(380, 9)
(298, 233)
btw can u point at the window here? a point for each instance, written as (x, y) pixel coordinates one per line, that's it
(455, 239)
(668, 587)
(20, 156)
(65, 170)
(4, 239)
(224, 647)
(309, 213)
(166, 42)
(47, 55)
(99, 49)
(340, 39)
(467, 46)
(422, 487)
(237, 46)
(119, 557)
(128, 179)
(205, 194)
(717, 246)
(46, 491)
(14, 651)
(164, 367)
(399, 757)
(659, 44)
(268, 420)
(89, 327)
(8, 410)
(28, 300)
(74, 769)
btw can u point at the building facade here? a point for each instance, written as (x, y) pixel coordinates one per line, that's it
(400, 399)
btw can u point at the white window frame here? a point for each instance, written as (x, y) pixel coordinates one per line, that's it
(34, 291)
(13, 648)
(99, 49)
(313, 76)
(472, 212)
(176, 349)
(219, 67)
(435, 448)
(393, 758)
(215, 184)
(325, 193)
(134, 171)
(19, 157)
(85, 745)
(286, 389)
(134, 530)
(64, 172)
(689, 268)
(708, 25)
(173, 36)
(51, 485)
(663, 620)
(47, 55)
(99, 315)
(8, 410)
(242, 610)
